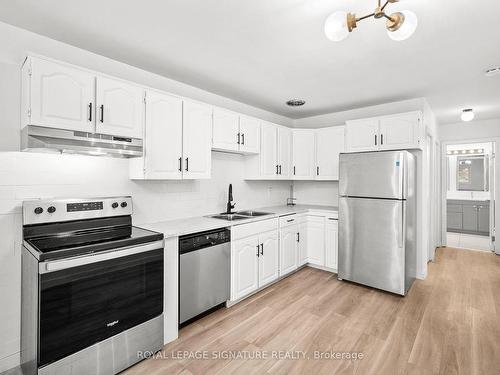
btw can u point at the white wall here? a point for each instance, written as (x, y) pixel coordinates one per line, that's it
(319, 192)
(29, 175)
(339, 118)
(465, 131)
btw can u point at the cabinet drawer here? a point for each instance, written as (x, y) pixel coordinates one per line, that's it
(288, 220)
(250, 229)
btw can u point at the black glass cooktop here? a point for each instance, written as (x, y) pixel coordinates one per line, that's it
(67, 239)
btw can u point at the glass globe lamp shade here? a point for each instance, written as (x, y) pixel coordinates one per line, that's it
(336, 26)
(409, 23)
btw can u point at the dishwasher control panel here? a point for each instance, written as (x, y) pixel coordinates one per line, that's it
(201, 240)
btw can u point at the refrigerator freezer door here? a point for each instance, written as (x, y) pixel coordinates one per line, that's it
(373, 174)
(372, 242)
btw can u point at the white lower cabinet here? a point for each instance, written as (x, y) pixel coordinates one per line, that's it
(254, 258)
(331, 242)
(265, 250)
(268, 258)
(322, 241)
(289, 236)
(316, 240)
(245, 266)
(302, 242)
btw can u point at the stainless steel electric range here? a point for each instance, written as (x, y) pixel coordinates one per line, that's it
(92, 287)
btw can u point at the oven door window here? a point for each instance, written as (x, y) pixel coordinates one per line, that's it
(83, 305)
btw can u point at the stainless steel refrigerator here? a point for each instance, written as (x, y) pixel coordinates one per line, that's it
(377, 220)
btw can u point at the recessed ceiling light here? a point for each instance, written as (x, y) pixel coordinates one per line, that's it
(467, 114)
(492, 71)
(295, 102)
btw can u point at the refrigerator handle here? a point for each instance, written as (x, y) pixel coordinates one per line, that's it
(402, 228)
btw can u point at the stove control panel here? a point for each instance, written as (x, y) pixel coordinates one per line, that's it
(56, 210)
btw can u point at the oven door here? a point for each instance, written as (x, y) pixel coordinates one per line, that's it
(86, 300)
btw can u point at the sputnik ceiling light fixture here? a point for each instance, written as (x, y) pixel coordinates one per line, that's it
(400, 25)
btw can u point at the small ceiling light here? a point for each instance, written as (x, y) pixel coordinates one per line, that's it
(467, 114)
(295, 102)
(400, 25)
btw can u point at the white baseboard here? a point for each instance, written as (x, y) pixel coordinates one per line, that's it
(10, 362)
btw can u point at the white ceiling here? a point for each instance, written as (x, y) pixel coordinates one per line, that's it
(264, 52)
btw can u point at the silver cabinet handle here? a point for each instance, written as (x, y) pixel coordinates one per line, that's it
(262, 249)
(258, 252)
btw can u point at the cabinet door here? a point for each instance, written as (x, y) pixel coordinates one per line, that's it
(61, 96)
(316, 240)
(120, 108)
(330, 142)
(399, 131)
(269, 258)
(303, 167)
(197, 140)
(285, 152)
(363, 135)
(163, 136)
(268, 152)
(331, 242)
(483, 218)
(245, 269)
(469, 218)
(225, 135)
(302, 243)
(250, 135)
(288, 249)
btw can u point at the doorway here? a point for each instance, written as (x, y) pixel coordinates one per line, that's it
(470, 196)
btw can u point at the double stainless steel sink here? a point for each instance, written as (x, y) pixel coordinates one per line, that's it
(240, 215)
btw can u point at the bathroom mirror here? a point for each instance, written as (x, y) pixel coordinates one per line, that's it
(472, 173)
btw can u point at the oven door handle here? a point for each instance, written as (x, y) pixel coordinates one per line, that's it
(57, 265)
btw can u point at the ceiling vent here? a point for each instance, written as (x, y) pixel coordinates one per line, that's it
(295, 102)
(492, 71)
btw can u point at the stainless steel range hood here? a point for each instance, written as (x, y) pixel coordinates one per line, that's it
(39, 138)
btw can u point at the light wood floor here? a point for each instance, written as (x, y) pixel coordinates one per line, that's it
(448, 324)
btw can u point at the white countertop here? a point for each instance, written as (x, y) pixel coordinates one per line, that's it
(179, 227)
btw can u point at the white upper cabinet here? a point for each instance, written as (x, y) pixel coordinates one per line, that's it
(226, 134)
(303, 154)
(58, 96)
(330, 142)
(394, 132)
(235, 133)
(197, 140)
(269, 258)
(284, 152)
(400, 131)
(163, 136)
(268, 153)
(249, 135)
(120, 108)
(363, 135)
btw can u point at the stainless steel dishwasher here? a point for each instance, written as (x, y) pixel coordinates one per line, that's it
(204, 273)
